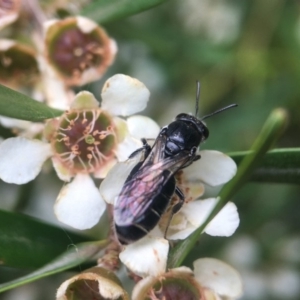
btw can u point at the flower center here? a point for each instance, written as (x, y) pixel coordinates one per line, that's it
(177, 288)
(75, 51)
(85, 140)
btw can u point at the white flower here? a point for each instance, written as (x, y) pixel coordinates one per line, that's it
(214, 168)
(86, 140)
(211, 279)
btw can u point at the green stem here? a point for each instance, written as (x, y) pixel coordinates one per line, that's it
(270, 132)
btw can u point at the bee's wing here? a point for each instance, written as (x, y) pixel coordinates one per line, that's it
(113, 183)
(146, 183)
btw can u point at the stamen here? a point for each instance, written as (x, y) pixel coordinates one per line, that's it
(82, 163)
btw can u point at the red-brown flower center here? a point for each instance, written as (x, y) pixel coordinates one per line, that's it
(74, 51)
(85, 140)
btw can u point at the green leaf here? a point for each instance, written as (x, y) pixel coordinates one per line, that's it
(19, 106)
(28, 243)
(269, 134)
(278, 166)
(103, 11)
(73, 257)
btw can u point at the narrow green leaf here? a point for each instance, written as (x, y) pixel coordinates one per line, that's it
(103, 11)
(270, 132)
(73, 257)
(19, 106)
(278, 166)
(28, 243)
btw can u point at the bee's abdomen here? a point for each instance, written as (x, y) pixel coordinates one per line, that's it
(150, 218)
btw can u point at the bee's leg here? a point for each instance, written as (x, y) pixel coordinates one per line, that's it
(197, 157)
(175, 208)
(146, 147)
(193, 157)
(178, 205)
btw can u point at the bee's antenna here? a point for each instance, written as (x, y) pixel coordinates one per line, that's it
(197, 98)
(218, 111)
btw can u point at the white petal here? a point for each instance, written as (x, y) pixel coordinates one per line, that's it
(211, 295)
(127, 147)
(14, 123)
(103, 171)
(181, 234)
(86, 25)
(121, 128)
(48, 24)
(142, 287)
(62, 172)
(25, 129)
(225, 222)
(61, 99)
(7, 19)
(63, 96)
(123, 95)
(34, 130)
(84, 100)
(214, 168)
(6, 44)
(142, 127)
(111, 186)
(21, 159)
(195, 214)
(79, 203)
(218, 276)
(146, 257)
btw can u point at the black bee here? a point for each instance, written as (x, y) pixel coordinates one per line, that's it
(148, 190)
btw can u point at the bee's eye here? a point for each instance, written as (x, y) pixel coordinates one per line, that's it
(205, 133)
(183, 117)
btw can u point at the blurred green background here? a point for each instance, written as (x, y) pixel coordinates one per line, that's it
(244, 52)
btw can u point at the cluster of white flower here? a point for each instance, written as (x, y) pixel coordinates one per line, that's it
(86, 140)
(90, 141)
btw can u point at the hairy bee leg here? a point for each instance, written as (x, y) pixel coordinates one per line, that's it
(146, 147)
(175, 208)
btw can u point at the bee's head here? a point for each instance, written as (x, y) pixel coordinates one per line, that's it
(198, 124)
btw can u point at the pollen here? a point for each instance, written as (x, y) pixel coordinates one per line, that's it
(76, 141)
(78, 52)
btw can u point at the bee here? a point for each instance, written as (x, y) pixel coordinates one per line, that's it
(147, 191)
